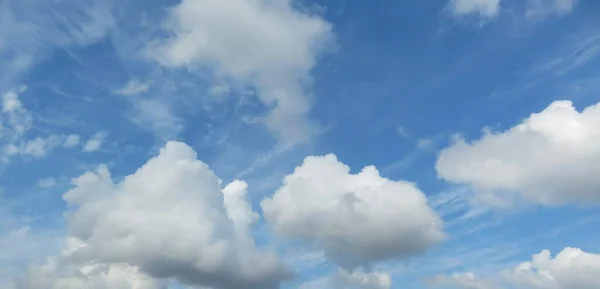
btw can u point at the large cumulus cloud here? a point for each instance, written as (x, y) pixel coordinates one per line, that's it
(169, 219)
(551, 158)
(356, 219)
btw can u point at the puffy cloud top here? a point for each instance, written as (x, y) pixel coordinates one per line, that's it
(356, 219)
(551, 158)
(571, 268)
(170, 219)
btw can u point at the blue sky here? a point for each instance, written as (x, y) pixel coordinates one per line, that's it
(475, 121)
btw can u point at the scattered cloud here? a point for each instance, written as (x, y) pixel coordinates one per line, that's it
(426, 144)
(544, 8)
(16, 121)
(28, 32)
(47, 183)
(571, 268)
(461, 281)
(402, 131)
(356, 219)
(94, 143)
(548, 159)
(133, 87)
(16, 117)
(355, 280)
(491, 8)
(72, 140)
(219, 89)
(270, 46)
(156, 115)
(484, 8)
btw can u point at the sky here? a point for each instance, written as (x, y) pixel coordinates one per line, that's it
(299, 144)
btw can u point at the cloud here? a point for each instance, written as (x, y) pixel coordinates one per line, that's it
(425, 144)
(16, 121)
(156, 115)
(239, 210)
(95, 143)
(402, 131)
(47, 183)
(356, 280)
(544, 8)
(491, 8)
(15, 115)
(72, 140)
(551, 158)
(483, 8)
(571, 268)
(31, 29)
(133, 87)
(461, 281)
(170, 219)
(54, 275)
(268, 45)
(356, 219)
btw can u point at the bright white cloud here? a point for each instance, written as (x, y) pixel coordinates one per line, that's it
(356, 280)
(571, 268)
(356, 219)
(95, 143)
(268, 45)
(238, 209)
(133, 87)
(168, 219)
(551, 158)
(484, 8)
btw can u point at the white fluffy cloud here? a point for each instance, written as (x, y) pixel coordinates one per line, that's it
(571, 268)
(266, 44)
(485, 8)
(356, 219)
(356, 280)
(551, 158)
(170, 219)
